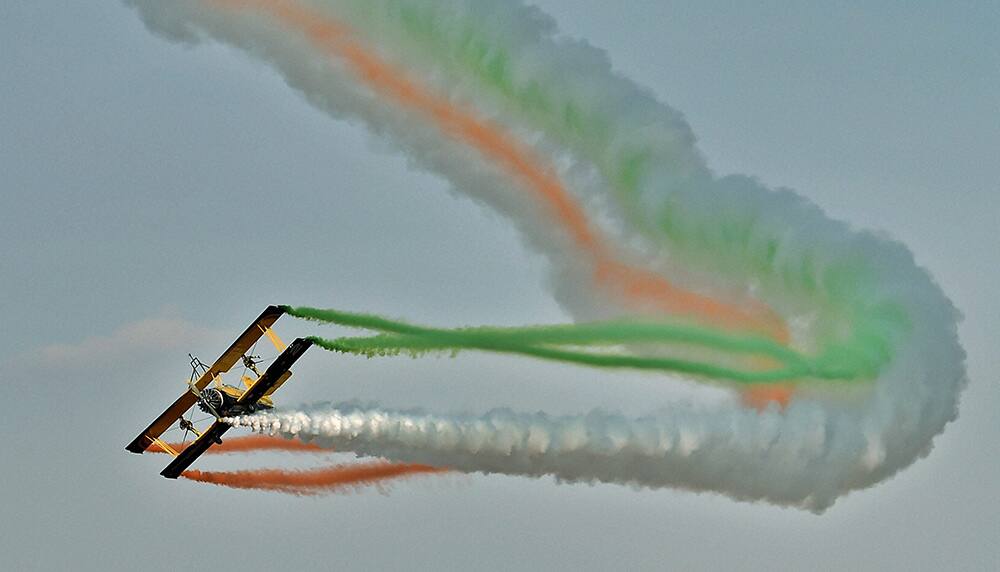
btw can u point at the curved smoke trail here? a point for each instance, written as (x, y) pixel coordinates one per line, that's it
(608, 183)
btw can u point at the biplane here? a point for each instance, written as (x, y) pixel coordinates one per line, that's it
(207, 392)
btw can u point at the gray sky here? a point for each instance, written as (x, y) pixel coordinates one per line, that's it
(151, 188)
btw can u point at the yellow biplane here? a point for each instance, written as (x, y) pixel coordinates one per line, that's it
(207, 391)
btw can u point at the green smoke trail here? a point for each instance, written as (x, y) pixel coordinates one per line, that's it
(582, 343)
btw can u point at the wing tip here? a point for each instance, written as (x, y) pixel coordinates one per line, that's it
(137, 446)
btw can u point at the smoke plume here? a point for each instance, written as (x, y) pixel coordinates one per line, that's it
(608, 184)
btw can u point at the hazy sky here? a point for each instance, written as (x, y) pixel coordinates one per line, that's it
(153, 190)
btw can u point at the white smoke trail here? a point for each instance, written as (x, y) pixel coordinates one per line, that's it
(786, 251)
(804, 457)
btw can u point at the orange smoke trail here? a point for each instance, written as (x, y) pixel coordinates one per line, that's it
(251, 443)
(761, 396)
(313, 481)
(639, 286)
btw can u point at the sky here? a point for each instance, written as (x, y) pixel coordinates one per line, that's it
(156, 197)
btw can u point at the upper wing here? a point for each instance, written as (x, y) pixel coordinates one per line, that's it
(242, 344)
(275, 373)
